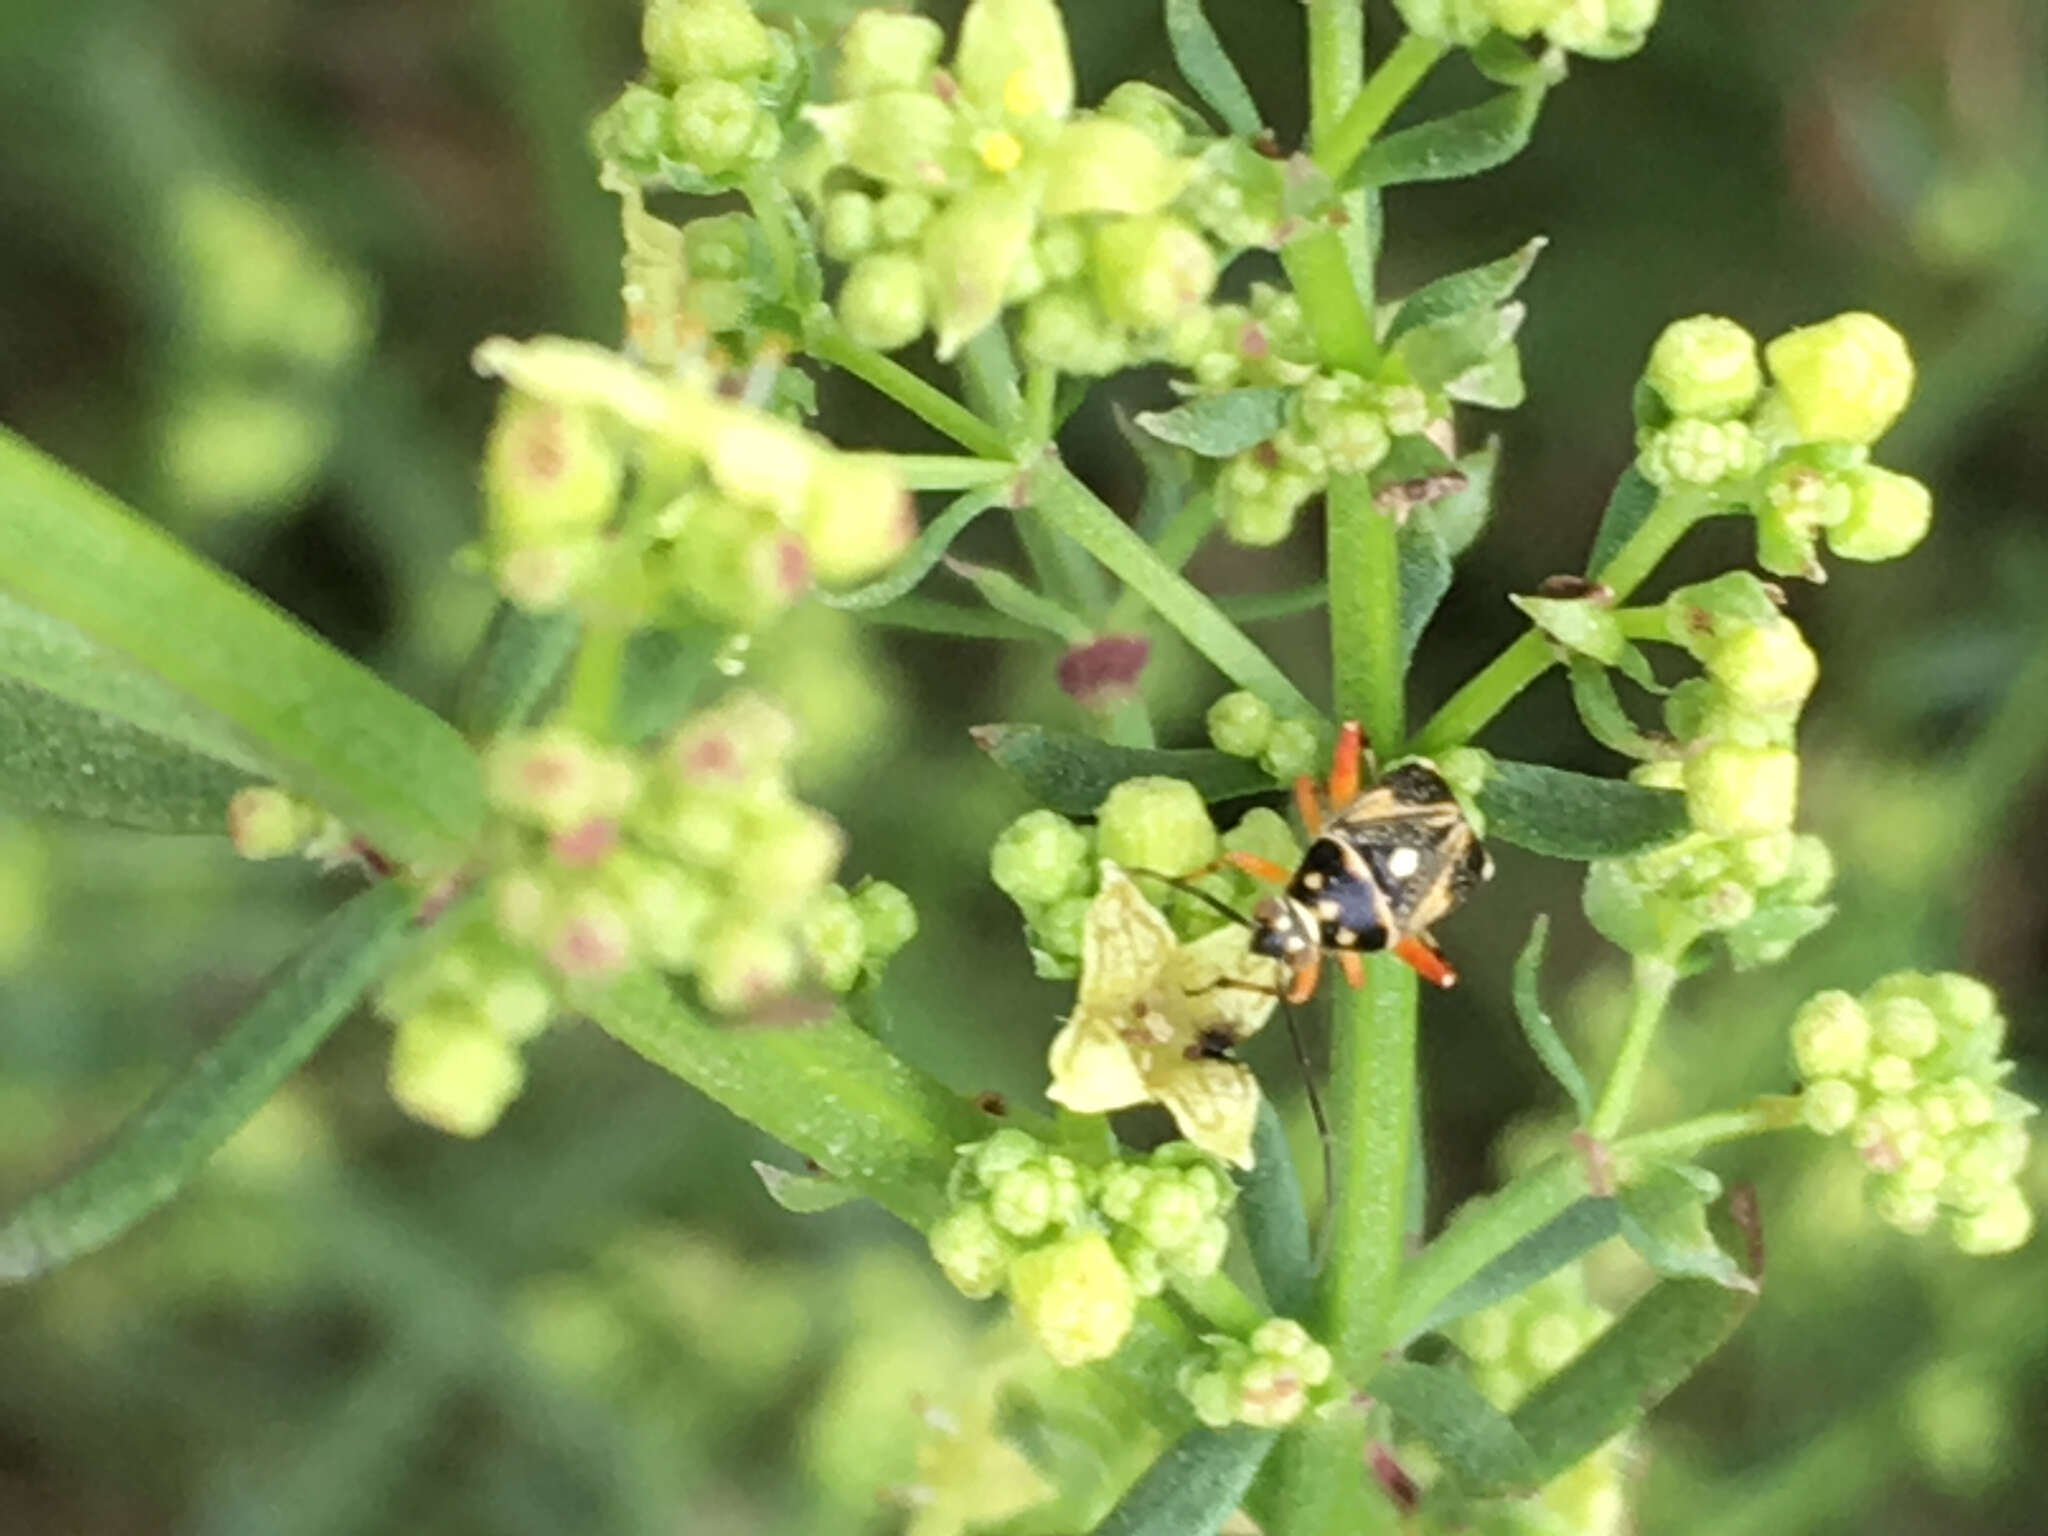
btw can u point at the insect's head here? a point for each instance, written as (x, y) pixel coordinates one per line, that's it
(1284, 929)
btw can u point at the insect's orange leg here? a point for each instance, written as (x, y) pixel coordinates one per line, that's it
(1344, 764)
(1251, 864)
(1427, 961)
(1354, 967)
(1302, 985)
(1309, 804)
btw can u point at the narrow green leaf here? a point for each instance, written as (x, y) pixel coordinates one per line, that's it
(804, 1194)
(1484, 1452)
(924, 553)
(1630, 506)
(1217, 426)
(155, 1154)
(301, 712)
(1578, 624)
(1073, 774)
(1448, 148)
(62, 760)
(1198, 54)
(1664, 1218)
(1542, 1035)
(1425, 577)
(1195, 1487)
(1169, 475)
(1447, 350)
(1565, 815)
(1566, 1237)
(1601, 712)
(1460, 516)
(1476, 288)
(1495, 383)
(521, 657)
(1629, 1369)
(1260, 607)
(663, 672)
(1769, 935)
(1014, 600)
(822, 1087)
(1275, 1218)
(929, 617)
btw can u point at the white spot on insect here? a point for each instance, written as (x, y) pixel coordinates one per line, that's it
(1327, 909)
(1403, 862)
(1313, 880)
(1347, 938)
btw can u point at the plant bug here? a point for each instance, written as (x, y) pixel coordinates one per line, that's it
(1391, 859)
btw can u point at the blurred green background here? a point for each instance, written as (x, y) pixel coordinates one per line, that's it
(245, 248)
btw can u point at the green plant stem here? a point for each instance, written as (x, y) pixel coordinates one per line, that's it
(1041, 400)
(1481, 1233)
(929, 616)
(592, 705)
(949, 471)
(1391, 83)
(1653, 978)
(1320, 269)
(1496, 685)
(1336, 60)
(1186, 529)
(1220, 1303)
(826, 342)
(1074, 510)
(1773, 1112)
(1365, 610)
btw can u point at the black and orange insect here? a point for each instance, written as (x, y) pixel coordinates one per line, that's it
(1389, 860)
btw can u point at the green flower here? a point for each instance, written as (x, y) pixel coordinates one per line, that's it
(1075, 1297)
(1844, 380)
(1147, 1008)
(1706, 367)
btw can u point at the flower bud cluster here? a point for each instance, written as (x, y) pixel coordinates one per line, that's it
(953, 195)
(1245, 725)
(265, 822)
(1741, 873)
(735, 513)
(1267, 1381)
(1796, 452)
(1077, 1247)
(694, 858)
(1514, 1347)
(1337, 422)
(718, 91)
(1051, 867)
(1598, 29)
(1910, 1075)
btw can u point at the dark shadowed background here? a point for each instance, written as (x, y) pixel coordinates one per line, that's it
(245, 249)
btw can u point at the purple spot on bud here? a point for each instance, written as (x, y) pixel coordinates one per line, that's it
(1254, 344)
(792, 568)
(1394, 1478)
(581, 847)
(708, 757)
(587, 946)
(1881, 1155)
(1103, 673)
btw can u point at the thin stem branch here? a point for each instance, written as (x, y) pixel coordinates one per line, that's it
(1336, 60)
(1390, 84)
(826, 342)
(1365, 610)
(592, 704)
(1320, 269)
(1773, 1112)
(1653, 980)
(948, 471)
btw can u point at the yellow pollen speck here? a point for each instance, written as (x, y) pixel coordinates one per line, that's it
(1000, 152)
(1020, 94)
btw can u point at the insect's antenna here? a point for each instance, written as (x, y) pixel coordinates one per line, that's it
(1322, 1120)
(1181, 883)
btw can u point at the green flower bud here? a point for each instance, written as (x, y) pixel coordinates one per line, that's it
(1074, 1297)
(516, 1003)
(883, 304)
(1890, 1134)
(557, 780)
(451, 1070)
(1157, 824)
(741, 967)
(888, 921)
(1904, 1026)
(1733, 791)
(1901, 1206)
(1890, 1075)
(900, 217)
(1170, 1215)
(1157, 114)
(1213, 1395)
(1844, 380)
(1271, 1394)
(1603, 29)
(741, 568)
(970, 251)
(1021, 1202)
(1202, 1254)
(1765, 668)
(858, 517)
(1150, 271)
(1704, 366)
(790, 852)
(1692, 452)
(1065, 329)
(1012, 59)
(1888, 515)
(695, 39)
(1831, 1037)
(1292, 749)
(1100, 165)
(846, 224)
(1525, 18)
(899, 138)
(1239, 723)
(1265, 833)
(1039, 858)
(1459, 23)
(887, 51)
(1354, 441)
(1058, 930)
(1829, 1105)
(549, 472)
(2001, 1226)
(636, 131)
(832, 939)
(715, 124)
(1260, 500)
(592, 937)
(970, 1251)
(266, 823)
(719, 246)
(667, 909)
(1006, 1151)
